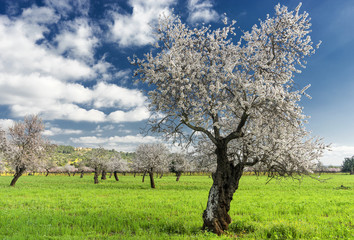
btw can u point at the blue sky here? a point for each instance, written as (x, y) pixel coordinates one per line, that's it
(67, 61)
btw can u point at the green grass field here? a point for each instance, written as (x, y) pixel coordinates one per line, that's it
(62, 207)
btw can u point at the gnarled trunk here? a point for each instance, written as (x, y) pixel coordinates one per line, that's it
(152, 182)
(116, 176)
(18, 174)
(82, 174)
(225, 183)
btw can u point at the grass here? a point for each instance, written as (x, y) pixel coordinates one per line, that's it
(62, 207)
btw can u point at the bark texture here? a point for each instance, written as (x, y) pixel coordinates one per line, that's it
(225, 183)
(18, 174)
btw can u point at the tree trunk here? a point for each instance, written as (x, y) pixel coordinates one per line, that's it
(74, 174)
(69, 174)
(134, 174)
(225, 183)
(82, 174)
(47, 172)
(110, 174)
(144, 176)
(152, 182)
(95, 177)
(18, 174)
(103, 177)
(161, 175)
(116, 176)
(178, 175)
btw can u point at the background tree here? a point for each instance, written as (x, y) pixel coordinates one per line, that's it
(49, 162)
(68, 168)
(241, 96)
(97, 159)
(117, 164)
(151, 158)
(25, 148)
(179, 164)
(348, 165)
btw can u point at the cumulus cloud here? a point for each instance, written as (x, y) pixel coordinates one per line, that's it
(77, 39)
(58, 131)
(135, 115)
(121, 143)
(110, 95)
(21, 53)
(337, 154)
(202, 11)
(135, 29)
(42, 77)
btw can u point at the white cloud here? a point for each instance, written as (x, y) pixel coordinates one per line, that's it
(39, 15)
(21, 53)
(58, 131)
(6, 123)
(121, 143)
(201, 11)
(77, 39)
(337, 154)
(135, 29)
(35, 77)
(110, 95)
(138, 114)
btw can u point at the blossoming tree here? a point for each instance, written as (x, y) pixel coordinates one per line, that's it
(152, 158)
(240, 95)
(97, 159)
(117, 164)
(25, 148)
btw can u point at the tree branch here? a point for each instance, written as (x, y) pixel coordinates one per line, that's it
(238, 133)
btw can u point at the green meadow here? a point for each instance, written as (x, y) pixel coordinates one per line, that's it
(62, 207)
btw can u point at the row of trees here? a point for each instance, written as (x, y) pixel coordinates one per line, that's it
(23, 148)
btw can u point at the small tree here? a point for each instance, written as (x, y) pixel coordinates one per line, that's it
(179, 164)
(152, 158)
(240, 95)
(348, 165)
(97, 159)
(69, 169)
(117, 164)
(26, 147)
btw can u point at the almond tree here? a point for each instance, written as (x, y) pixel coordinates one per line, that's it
(97, 159)
(152, 158)
(117, 164)
(240, 95)
(25, 148)
(179, 163)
